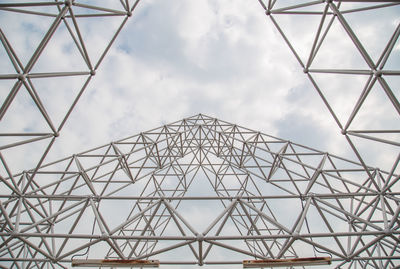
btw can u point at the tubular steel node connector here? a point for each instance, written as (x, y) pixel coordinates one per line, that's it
(69, 3)
(22, 77)
(377, 73)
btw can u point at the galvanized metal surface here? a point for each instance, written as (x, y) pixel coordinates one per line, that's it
(347, 209)
(133, 197)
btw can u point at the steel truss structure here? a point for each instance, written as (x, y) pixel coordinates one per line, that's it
(371, 71)
(271, 198)
(29, 76)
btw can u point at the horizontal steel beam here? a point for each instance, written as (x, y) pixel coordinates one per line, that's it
(114, 263)
(287, 262)
(211, 237)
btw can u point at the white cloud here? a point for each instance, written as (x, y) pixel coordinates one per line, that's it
(172, 60)
(217, 58)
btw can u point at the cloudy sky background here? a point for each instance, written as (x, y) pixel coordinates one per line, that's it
(225, 59)
(221, 58)
(175, 59)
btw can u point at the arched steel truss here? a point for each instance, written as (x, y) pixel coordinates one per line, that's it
(45, 211)
(73, 205)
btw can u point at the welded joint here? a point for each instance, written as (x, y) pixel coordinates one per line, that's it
(105, 236)
(69, 3)
(309, 195)
(296, 235)
(94, 198)
(200, 237)
(377, 73)
(22, 77)
(388, 231)
(53, 259)
(15, 234)
(351, 221)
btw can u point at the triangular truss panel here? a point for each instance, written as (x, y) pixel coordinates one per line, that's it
(215, 191)
(349, 52)
(39, 86)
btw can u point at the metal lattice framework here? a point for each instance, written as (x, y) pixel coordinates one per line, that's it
(31, 76)
(132, 198)
(347, 209)
(372, 71)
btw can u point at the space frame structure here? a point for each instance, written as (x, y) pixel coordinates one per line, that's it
(338, 209)
(344, 209)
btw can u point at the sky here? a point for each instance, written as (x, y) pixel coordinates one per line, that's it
(226, 60)
(221, 59)
(175, 59)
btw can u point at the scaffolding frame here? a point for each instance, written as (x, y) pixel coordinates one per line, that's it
(39, 202)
